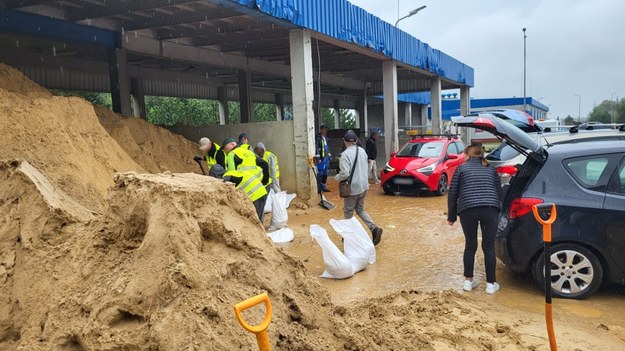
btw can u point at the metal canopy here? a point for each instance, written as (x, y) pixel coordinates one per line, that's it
(199, 41)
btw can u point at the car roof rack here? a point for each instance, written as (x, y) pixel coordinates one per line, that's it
(444, 135)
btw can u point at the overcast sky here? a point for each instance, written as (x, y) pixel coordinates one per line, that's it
(573, 46)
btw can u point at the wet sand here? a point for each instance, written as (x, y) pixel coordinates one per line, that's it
(420, 251)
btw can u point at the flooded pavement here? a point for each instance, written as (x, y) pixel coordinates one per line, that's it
(420, 251)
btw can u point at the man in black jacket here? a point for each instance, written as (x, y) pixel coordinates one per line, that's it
(372, 154)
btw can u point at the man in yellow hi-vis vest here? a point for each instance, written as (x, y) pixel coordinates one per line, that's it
(274, 168)
(211, 154)
(252, 186)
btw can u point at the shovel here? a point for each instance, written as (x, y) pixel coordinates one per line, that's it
(259, 330)
(200, 164)
(323, 203)
(540, 214)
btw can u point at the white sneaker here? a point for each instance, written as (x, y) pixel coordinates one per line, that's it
(469, 285)
(492, 288)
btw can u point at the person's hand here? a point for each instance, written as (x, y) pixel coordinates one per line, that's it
(198, 159)
(450, 223)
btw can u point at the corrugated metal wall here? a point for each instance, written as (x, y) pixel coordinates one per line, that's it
(342, 20)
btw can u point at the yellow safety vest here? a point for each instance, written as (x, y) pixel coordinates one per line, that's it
(266, 156)
(251, 185)
(248, 164)
(245, 146)
(211, 160)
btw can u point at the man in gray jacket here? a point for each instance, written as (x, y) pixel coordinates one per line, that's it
(359, 184)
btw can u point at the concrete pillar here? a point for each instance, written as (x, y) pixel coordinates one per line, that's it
(120, 83)
(361, 107)
(436, 105)
(391, 138)
(424, 121)
(279, 107)
(337, 115)
(222, 99)
(138, 97)
(465, 109)
(245, 96)
(302, 86)
(408, 114)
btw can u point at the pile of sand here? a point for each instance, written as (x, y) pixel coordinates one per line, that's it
(155, 148)
(14, 81)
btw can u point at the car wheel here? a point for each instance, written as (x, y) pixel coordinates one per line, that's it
(442, 185)
(576, 272)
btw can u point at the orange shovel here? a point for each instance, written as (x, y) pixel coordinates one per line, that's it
(259, 330)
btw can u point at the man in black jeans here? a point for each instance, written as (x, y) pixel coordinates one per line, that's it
(474, 195)
(372, 154)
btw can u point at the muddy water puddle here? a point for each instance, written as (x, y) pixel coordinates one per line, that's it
(420, 251)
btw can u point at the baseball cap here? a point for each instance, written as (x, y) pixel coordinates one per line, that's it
(350, 137)
(205, 143)
(228, 141)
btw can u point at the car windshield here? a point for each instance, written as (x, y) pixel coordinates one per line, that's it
(422, 149)
(503, 152)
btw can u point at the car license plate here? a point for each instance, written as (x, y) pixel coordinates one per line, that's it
(403, 181)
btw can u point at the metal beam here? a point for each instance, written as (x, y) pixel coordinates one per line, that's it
(127, 7)
(173, 51)
(179, 19)
(21, 22)
(16, 4)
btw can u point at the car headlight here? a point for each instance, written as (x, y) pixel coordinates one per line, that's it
(388, 168)
(428, 169)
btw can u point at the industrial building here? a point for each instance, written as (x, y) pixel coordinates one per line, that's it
(303, 53)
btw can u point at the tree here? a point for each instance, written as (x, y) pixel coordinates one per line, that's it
(568, 121)
(608, 111)
(347, 118)
(170, 110)
(103, 99)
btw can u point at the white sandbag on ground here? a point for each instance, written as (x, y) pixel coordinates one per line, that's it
(279, 215)
(356, 238)
(337, 266)
(269, 202)
(284, 235)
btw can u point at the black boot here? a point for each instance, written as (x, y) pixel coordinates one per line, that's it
(377, 235)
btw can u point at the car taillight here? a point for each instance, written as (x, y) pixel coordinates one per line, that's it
(506, 170)
(522, 206)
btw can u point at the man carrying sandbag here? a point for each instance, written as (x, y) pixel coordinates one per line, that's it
(354, 171)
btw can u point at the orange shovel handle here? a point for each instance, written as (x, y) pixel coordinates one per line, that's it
(545, 223)
(259, 330)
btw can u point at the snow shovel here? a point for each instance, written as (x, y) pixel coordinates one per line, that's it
(323, 203)
(259, 330)
(540, 214)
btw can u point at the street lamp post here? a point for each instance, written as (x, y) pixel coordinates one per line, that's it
(524, 70)
(410, 14)
(613, 112)
(579, 108)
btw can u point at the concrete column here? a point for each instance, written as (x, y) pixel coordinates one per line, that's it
(120, 83)
(337, 115)
(391, 138)
(279, 107)
(245, 96)
(465, 109)
(138, 97)
(222, 99)
(302, 86)
(436, 104)
(408, 115)
(424, 121)
(361, 107)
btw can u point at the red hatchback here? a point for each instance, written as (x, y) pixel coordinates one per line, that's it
(425, 163)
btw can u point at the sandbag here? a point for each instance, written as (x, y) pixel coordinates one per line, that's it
(269, 202)
(337, 266)
(359, 249)
(284, 235)
(289, 198)
(279, 216)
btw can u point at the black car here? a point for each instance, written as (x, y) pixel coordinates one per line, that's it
(586, 180)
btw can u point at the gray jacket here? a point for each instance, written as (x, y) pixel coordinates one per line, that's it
(360, 182)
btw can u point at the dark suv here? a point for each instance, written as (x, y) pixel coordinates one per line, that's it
(586, 180)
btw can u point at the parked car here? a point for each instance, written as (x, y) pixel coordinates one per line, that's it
(506, 159)
(425, 163)
(586, 180)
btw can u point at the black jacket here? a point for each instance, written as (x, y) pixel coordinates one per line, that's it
(220, 156)
(473, 185)
(372, 149)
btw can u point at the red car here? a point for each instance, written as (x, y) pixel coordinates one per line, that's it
(425, 163)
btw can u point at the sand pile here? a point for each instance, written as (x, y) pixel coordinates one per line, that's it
(14, 81)
(155, 148)
(162, 267)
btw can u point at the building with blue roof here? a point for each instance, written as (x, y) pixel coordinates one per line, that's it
(299, 53)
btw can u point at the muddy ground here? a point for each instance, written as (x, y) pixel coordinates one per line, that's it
(419, 251)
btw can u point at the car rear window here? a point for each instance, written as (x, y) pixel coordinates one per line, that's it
(587, 171)
(425, 149)
(503, 152)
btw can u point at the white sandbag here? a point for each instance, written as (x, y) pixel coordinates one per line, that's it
(284, 235)
(269, 201)
(279, 216)
(355, 237)
(337, 266)
(289, 198)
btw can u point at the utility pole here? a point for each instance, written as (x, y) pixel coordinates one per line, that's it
(524, 70)
(579, 108)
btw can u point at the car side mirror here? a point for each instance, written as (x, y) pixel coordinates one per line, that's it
(452, 157)
(393, 154)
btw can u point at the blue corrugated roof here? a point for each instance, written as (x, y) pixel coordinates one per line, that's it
(342, 20)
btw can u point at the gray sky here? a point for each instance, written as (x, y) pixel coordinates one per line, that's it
(573, 46)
